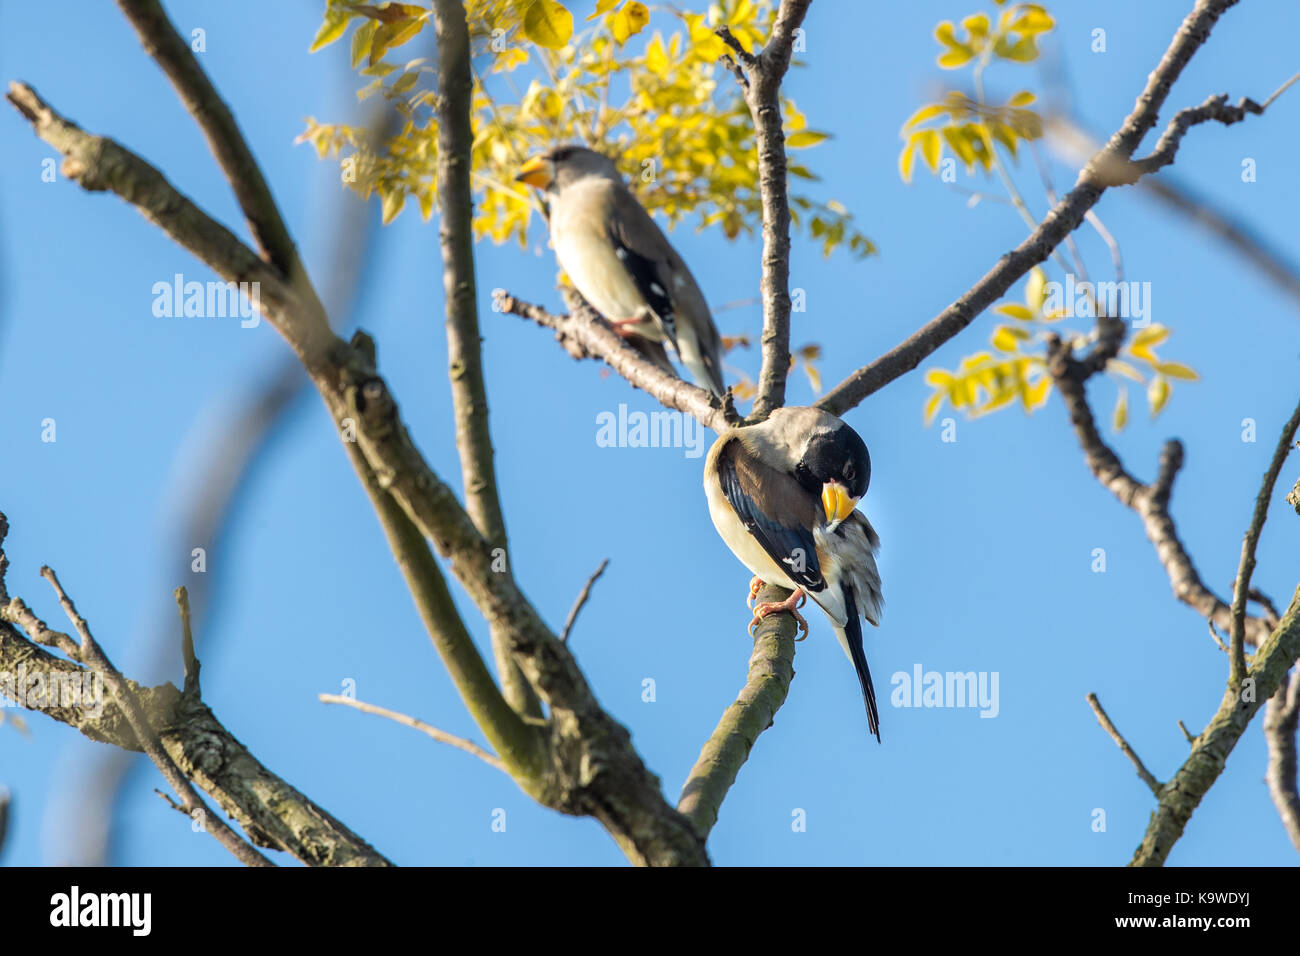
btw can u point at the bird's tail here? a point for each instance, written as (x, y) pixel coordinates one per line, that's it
(850, 636)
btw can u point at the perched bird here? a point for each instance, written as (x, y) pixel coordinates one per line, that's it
(783, 495)
(621, 261)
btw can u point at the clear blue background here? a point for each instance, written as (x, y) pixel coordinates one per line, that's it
(987, 541)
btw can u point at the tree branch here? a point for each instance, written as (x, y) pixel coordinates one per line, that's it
(1241, 588)
(464, 341)
(583, 334)
(1182, 794)
(771, 668)
(1281, 722)
(761, 78)
(1064, 217)
(1149, 502)
(1107, 725)
(583, 595)
(460, 743)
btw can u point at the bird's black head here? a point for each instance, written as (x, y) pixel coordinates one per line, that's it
(835, 455)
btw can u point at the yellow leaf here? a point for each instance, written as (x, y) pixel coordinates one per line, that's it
(1121, 410)
(1035, 396)
(510, 59)
(1177, 370)
(391, 35)
(1036, 289)
(426, 205)
(1007, 338)
(938, 378)
(656, 58)
(1123, 368)
(906, 159)
(548, 23)
(932, 406)
(361, 40)
(1149, 337)
(805, 138)
(977, 24)
(603, 6)
(1015, 311)
(925, 113)
(392, 204)
(335, 25)
(628, 21)
(405, 82)
(1023, 98)
(931, 147)
(1158, 394)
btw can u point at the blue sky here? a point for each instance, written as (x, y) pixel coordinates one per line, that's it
(987, 541)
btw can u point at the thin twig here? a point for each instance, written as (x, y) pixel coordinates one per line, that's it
(1247, 566)
(90, 653)
(582, 599)
(187, 641)
(441, 736)
(1107, 725)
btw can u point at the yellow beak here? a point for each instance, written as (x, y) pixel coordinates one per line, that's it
(836, 502)
(538, 171)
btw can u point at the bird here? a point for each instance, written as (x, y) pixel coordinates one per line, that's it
(621, 262)
(783, 495)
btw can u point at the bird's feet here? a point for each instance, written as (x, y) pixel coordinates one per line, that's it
(628, 328)
(789, 605)
(755, 585)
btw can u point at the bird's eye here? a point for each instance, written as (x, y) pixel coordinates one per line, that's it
(849, 471)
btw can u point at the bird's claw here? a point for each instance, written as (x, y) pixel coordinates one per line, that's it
(788, 606)
(755, 585)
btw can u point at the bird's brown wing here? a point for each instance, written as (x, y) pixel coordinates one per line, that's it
(776, 510)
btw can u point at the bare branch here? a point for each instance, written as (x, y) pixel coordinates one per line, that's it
(1281, 721)
(441, 736)
(1184, 791)
(1107, 725)
(272, 813)
(760, 78)
(1247, 567)
(1064, 217)
(187, 641)
(91, 654)
(464, 341)
(583, 595)
(583, 334)
(1149, 502)
(771, 668)
(173, 54)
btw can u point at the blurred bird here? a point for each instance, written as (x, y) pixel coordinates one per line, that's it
(621, 262)
(783, 495)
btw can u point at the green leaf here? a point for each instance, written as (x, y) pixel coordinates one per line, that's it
(548, 23)
(405, 82)
(1121, 410)
(361, 41)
